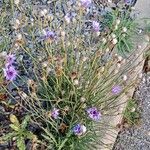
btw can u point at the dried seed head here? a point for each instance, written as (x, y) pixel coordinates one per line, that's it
(124, 35)
(118, 65)
(118, 21)
(109, 1)
(104, 40)
(66, 108)
(140, 75)
(30, 81)
(102, 69)
(45, 11)
(24, 95)
(42, 13)
(133, 109)
(63, 33)
(45, 64)
(114, 41)
(123, 61)
(76, 82)
(107, 49)
(50, 17)
(116, 27)
(125, 77)
(17, 22)
(84, 59)
(113, 35)
(19, 36)
(84, 106)
(3, 54)
(139, 46)
(82, 99)
(124, 29)
(68, 43)
(120, 58)
(133, 8)
(97, 33)
(48, 70)
(67, 19)
(73, 75)
(16, 2)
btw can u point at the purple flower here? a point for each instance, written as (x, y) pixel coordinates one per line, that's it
(49, 35)
(85, 3)
(128, 2)
(94, 114)
(55, 113)
(116, 89)
(10, 58)
(10, 73)
(95, 26)
(79, 129)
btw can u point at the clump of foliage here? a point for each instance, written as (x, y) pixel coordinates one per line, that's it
(20, 133)
(131, 113)
(63, 63)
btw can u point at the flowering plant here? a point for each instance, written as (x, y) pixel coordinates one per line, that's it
(67, 71)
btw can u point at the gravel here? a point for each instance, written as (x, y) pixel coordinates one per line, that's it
(138, 137)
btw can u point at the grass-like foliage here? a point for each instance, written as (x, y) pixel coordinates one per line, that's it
(63, 63)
